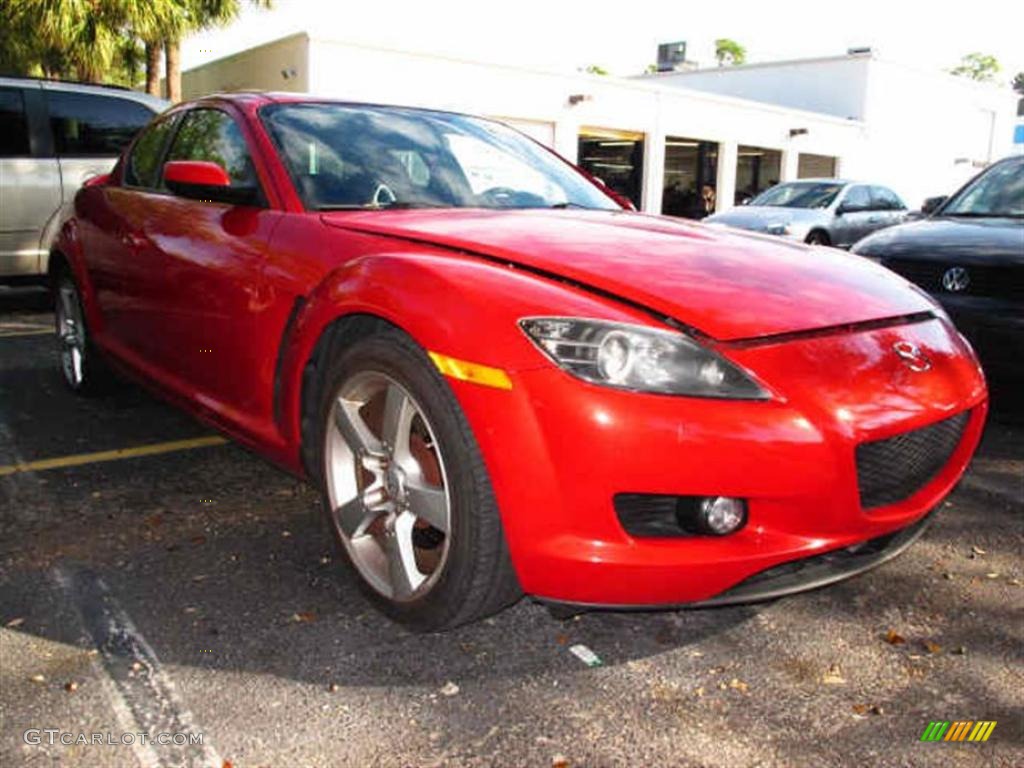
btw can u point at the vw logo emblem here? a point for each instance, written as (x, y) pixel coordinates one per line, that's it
(956, 279)
(912, 356)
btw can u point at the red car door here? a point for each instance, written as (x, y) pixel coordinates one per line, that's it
(111, 234)
(210, 307)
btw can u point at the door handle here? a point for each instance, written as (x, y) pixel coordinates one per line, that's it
(133, 240)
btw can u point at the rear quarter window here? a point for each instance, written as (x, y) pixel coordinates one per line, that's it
(13, 125)
(91, 125)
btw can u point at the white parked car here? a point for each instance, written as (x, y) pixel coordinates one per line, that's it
(53, 136)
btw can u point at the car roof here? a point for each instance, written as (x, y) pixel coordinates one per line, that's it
(74, 86)
(257, 98)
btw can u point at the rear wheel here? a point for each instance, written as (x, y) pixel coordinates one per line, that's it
(80, 362)
(817, 237)
(406, 492)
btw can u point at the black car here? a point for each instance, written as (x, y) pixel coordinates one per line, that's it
(969, 254)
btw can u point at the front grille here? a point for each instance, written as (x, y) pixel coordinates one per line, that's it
(894, 469)
(1001, 281)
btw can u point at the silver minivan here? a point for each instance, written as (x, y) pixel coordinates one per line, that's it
(53, 136)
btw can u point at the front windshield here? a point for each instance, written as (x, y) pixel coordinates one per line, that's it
(343, 156)
(997, 192)
(799, 194)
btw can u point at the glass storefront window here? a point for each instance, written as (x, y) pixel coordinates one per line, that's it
(616, 158)
(691, 174)
(757, 169)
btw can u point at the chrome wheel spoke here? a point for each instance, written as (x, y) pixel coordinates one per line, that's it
(428, 503)
(353, 516)
(352, 427)
(398, 413)
(403, 574)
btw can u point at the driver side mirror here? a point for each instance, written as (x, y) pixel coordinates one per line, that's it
(202, 180)
(932, 204)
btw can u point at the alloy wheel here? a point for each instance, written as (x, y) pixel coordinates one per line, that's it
(386, 486)
(71, 334)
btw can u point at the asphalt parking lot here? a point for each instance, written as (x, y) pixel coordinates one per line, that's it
(193, 590)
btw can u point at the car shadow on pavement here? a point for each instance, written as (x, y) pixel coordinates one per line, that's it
(212, 550)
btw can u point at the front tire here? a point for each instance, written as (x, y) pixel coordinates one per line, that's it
(406, 493)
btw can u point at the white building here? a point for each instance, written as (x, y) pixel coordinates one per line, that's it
(653, 139)
(925, 132)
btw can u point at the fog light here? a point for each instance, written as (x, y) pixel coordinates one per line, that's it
(722, 515)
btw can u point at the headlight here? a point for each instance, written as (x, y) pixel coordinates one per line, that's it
(638, 358)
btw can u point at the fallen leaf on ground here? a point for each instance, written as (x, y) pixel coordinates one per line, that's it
(860, 709)
(992, 575)
(834, 676)
(304, 617)
(558, 761)
(892, 637)
(561, 639)
(932, 647)
(71, 686)
(738, 685)
(15, 623)
(37, 679)
(449, 689)
(976, 550)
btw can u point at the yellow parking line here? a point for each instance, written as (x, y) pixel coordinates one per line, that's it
(34, 332)
(114, 455)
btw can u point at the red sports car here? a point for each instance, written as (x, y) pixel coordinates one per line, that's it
(503, 379)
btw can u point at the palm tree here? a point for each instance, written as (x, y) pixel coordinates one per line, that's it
(92, 40)
(201, 14)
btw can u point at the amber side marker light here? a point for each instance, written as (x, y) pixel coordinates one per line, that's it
(472, 372)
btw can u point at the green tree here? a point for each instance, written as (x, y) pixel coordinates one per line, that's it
(729, 52)
(199, 15)
(91, 40)
(595, 69)
(977, 66)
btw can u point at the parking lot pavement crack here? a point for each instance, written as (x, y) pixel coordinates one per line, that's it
(140, 692)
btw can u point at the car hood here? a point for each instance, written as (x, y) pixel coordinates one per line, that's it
(940, 238)
(761, 218)
(727, 284)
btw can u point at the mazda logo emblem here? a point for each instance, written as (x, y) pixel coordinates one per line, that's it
(956, 279)
(912, 356)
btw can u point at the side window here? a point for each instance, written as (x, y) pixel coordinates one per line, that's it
(857, 199)
(13, 125)
(143, 167)
(90, 125)
(211, 135)
(886, 199)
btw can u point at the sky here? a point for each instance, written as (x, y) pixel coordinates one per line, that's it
(566, 35)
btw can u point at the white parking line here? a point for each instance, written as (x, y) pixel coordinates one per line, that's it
(140, 693)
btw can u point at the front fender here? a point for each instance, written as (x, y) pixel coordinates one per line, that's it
(449, 303)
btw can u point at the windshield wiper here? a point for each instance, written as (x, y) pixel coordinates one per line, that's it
(568, 204)
(396, 206)
(984, 215)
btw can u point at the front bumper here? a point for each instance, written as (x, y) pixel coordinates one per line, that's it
(808, 573)
(559, 450)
